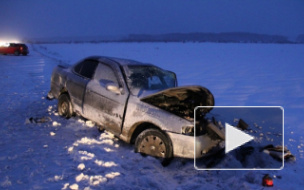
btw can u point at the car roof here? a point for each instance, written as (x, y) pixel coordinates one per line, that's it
(17, 44)
(120, 61)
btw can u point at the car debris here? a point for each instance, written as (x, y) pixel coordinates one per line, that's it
(267, 181)
(44, 119)
(242, 125)
(279, 152)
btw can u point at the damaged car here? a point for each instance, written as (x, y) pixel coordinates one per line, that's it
(139, 103)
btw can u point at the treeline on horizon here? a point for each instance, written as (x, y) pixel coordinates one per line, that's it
(228, 37)
(232, 37)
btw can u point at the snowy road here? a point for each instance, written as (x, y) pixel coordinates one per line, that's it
(28, 155)
(66, 154)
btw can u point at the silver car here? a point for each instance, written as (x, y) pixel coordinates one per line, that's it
(139, 103)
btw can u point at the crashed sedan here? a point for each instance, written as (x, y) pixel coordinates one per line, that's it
(139, 103)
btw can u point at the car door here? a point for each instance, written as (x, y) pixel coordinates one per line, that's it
(77, 81)
(11, 48)
(104, 104)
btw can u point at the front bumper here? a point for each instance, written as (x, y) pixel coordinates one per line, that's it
(183, 145)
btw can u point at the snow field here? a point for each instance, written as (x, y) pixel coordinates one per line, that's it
(55, 153)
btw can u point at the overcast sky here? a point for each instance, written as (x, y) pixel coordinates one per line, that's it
(58, 18)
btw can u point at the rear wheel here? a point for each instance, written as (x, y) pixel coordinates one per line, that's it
(65, 106)
(16, 53)
(154, 143)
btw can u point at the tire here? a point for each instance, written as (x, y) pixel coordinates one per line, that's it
(65, 108)
(155, 143)
(17, 53)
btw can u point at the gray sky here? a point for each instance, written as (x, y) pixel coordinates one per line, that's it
(58, 18)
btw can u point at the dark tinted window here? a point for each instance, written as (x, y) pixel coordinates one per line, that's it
(23, 45)
(86, 68)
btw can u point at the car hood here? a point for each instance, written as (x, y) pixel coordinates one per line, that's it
(181, 101)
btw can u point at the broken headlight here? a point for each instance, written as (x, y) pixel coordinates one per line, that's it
(188, 130)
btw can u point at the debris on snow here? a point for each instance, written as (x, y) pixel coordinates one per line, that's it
(112, 175)
(65, 186)
(50, 108)
(56, 178)
(90, 123)
(93, 180)
(55, 124)
(50, 96)
(81, 177)
(278, 152)
(70, 149)
(52, 133)
(86, 155)
(87, 141)
(105, 164)
(242, 124)
(81, 166)
(81, 120)
(267, 181)
(74, 186)
(108, 150)
(97, 179)
(37, 120)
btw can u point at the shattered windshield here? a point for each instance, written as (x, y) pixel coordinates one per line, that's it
(141, 79)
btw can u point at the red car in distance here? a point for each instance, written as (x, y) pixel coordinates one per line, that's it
(14, 48)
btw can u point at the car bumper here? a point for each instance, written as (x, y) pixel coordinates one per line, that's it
(183, 145)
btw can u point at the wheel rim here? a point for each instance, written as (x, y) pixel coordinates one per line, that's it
(154, 146)
(64, 108)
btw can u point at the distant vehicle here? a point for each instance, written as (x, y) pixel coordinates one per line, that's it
(14, 48)
(139, 103)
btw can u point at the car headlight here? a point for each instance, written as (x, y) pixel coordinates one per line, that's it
(4, 44)
(188, 130)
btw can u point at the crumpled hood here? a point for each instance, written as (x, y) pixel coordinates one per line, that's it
(181, 101)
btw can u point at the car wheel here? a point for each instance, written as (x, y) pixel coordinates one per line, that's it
(16, 53)
(65, 106)
(154, 143)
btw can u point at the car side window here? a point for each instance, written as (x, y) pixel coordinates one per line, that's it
(86, 68)
(105, 74)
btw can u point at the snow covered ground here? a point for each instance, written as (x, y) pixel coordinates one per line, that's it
(40, 150)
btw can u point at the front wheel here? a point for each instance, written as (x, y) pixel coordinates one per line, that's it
(154, 143)
(65, 106)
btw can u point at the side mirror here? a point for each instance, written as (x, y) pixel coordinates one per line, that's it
(112, 87)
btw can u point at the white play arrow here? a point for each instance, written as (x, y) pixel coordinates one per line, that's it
(235, 138)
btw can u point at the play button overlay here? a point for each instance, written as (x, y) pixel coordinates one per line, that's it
(235, 138)
(239, 138)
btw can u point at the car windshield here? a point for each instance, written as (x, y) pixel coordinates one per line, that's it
(145, 78)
